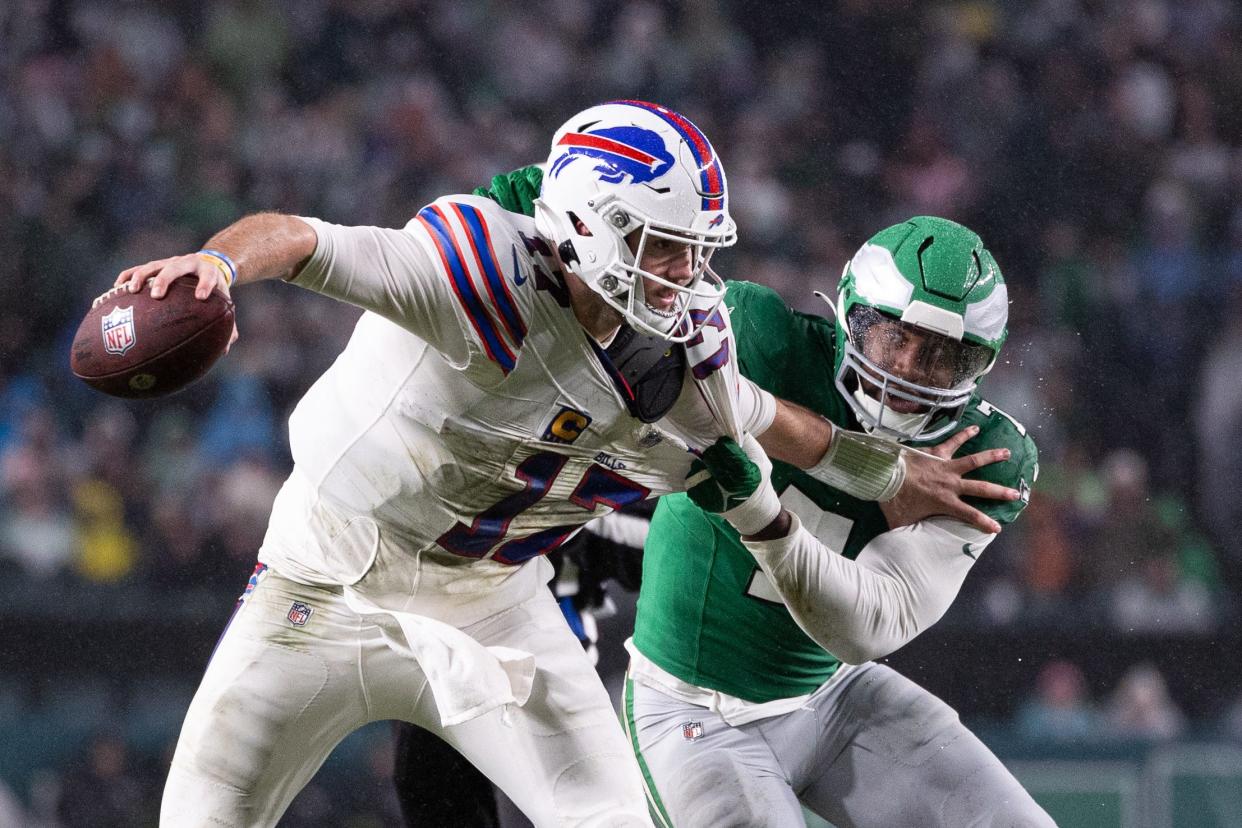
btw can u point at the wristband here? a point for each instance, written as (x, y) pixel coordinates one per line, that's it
(754, 514)
(869, 468)
(221, 261)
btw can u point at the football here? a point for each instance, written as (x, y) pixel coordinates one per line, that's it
(131, 345)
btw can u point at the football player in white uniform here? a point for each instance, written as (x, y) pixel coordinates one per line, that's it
(512, 379)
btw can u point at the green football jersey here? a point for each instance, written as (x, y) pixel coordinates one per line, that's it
(706, 612)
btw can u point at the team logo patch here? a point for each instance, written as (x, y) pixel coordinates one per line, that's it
(692, 731)
(519, 276)
(622, 152)
(118, 330)
(299, 614)
(566, 426)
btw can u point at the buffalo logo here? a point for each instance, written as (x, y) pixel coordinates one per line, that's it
(118, 330)
(717, 221)
(692, 731)
(623, 152)
(299, 614)
(566, 426)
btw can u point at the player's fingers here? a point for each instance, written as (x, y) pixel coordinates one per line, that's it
(990, 491)
(179, 266)
(979, 459)
(950, 446)
(969, 514)
(206, 282)
(135, 277)
(232, 338)
(173, 270)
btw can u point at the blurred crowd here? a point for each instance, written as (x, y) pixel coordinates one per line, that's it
(1096, 146)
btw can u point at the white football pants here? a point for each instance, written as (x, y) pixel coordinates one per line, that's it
(872, 750)
(278, 696)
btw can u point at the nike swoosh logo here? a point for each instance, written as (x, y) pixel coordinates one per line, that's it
(519, 277)
(974, 556)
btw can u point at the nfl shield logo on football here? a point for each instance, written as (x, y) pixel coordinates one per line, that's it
(299, 614)
(692, 731)
(118, 330)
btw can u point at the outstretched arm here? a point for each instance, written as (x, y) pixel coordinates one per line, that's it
(406, 275)
(261, 246)
(911, 484)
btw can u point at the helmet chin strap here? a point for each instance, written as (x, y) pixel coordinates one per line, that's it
(905, 423)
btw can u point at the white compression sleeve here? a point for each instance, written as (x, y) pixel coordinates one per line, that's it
(900, 584)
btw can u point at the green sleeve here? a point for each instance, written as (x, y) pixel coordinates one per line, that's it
(515, 191)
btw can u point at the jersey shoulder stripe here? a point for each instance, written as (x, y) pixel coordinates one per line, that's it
(480, 238)
(435, 221)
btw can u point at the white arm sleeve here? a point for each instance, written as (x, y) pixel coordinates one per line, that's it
(900, 584)
(756, 408)
(391, 273)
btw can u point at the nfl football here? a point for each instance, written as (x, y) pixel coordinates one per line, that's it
(131, 345)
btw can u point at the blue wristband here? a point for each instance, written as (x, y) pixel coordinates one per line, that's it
(228, 263)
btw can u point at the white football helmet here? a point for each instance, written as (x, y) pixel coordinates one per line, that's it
(629, 166)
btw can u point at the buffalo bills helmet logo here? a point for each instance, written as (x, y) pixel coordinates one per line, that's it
(626, 151)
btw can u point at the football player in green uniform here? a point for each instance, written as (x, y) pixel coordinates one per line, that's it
(752, 688)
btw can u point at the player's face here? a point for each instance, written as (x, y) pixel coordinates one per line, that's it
(667, 259)
(911, 354)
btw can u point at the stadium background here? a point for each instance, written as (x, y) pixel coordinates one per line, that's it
(1097, 147)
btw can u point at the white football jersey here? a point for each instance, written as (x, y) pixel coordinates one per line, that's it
(471, 424)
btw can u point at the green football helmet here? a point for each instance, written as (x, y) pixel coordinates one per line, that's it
(921, 316)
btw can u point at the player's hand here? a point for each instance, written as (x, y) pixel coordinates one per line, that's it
(734, 482)
(936, 484)
(162, 272)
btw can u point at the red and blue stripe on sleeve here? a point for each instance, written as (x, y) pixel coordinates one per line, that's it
(464, 243)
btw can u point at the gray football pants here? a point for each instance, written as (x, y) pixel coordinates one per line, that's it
(872, 749)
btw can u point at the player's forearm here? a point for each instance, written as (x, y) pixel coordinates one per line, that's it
(797, 435)
(265, 246)
(864, 609)
(859, 465)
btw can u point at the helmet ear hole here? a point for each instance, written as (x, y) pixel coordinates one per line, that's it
(580, 226)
